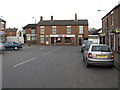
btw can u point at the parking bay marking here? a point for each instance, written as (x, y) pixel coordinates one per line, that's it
(25, 62)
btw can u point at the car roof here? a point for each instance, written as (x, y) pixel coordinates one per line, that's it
(99, 45)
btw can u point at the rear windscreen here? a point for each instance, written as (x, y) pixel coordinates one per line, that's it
(101, 48)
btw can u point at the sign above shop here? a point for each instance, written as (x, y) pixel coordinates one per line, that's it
(62, 35)
(118, 30)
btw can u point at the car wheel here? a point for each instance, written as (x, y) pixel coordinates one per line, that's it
(87, 64)
(16, 48)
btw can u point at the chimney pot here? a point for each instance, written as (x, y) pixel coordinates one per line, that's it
(51, 18)
(75, 16)
(41, 18)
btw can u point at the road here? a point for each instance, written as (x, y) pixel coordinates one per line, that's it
(54, 67)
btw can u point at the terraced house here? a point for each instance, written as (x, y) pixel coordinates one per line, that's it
(111, 28)
(30, 33)
(2, 30)
(61, 32)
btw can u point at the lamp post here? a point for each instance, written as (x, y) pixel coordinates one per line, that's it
(35, 19)
(104, 30)
(102, 10)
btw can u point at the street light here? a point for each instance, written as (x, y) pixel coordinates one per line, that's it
(102, 10)
(35, 19)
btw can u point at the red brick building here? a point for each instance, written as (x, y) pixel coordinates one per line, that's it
(11, 31)
(111, 28)
(2, 30)
(30, 33)
(61, 32)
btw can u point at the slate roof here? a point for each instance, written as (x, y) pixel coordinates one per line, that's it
(1, 20)
(32, 26)
(63, 22)
(111, 11)
(11, 30)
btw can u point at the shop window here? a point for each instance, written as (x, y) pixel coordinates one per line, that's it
(28, 38)
(33, 38)
(67, 40)
(58, 40)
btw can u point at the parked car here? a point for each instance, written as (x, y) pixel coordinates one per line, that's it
(98, 54)
(85, 44)
(12, 46)
(2, 48)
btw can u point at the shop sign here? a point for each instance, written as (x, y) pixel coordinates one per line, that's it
(117, 30)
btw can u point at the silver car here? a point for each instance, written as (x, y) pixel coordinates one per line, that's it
(98, 54)
(2, 48)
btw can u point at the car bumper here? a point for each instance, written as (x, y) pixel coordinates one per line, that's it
(101, 62)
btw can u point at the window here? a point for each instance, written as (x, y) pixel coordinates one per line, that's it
(67, 40)
(58, 39)
(112, 20)
(53, 29)
(42, 39)
(42, 29)
(68, 29)
(81, 29)
(2, 26)
(33, 38)
(33, 31)
(28, 38)
(101, 48)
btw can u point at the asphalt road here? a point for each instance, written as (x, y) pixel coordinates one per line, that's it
(53, 67)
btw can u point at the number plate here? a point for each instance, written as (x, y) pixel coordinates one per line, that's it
(103, 56)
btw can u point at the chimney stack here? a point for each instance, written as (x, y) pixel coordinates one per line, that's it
(51, 18)
(75, 16)
(41, 18)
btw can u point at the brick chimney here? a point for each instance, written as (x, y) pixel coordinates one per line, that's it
(41, 18)
(75, 16)
(51, 18)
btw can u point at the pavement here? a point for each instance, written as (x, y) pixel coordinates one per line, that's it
(117, 60)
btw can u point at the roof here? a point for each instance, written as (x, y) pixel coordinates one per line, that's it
(63, 22)
(111, 11)
(32, 26)
(1, 20)
(11, 30)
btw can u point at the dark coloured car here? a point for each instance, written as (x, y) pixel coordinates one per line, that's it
(12, 46)
(2, 48)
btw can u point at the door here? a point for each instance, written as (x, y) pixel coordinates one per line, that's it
(52, 40)
(80, 40)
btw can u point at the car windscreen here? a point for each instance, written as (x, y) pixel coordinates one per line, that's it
(85, 42)
(101, 48)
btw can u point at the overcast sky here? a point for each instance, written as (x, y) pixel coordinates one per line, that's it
(19, 13)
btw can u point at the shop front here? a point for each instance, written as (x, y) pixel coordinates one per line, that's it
(62, 40)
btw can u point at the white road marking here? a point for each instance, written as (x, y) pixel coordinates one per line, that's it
(24, 62)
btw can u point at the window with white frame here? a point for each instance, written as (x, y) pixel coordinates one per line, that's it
(42, 39)
(28, 38)
(33, 38)
(68, 29)
(81, 29)
(112, 20)
(42, 29)
(33, 31)
(2, 26)
(53, 29)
